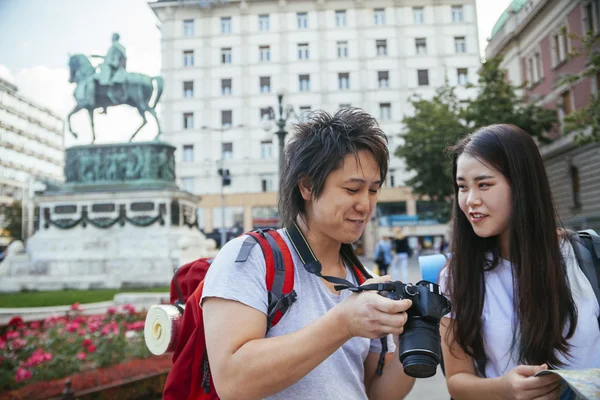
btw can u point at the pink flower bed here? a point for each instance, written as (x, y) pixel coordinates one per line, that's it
(61, 346)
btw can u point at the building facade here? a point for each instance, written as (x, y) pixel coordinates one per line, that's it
(31, 145)
(225, 63)
(538, 40)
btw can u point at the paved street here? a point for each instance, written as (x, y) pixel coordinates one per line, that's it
(433, 388)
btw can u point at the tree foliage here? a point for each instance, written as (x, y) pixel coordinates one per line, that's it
(10, 219)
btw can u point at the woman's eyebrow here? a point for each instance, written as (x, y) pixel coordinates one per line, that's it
(477, 178)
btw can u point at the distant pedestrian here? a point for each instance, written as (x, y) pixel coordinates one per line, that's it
(383, 255)
(400, 260)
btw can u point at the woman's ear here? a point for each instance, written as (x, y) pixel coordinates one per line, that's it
(305, 186)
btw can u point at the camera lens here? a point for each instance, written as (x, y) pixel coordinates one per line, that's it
(420, 351)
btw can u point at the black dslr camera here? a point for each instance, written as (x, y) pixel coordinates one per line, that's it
(420, 343)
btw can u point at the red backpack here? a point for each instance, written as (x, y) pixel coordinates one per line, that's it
(190, 376)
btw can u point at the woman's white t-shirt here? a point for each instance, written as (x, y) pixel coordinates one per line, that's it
(499, 322)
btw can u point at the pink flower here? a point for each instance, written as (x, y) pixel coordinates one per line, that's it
(16, 321)
(10, 335)
(35, 325)
(111, 310)
(81, 356)
(129, 308)
(87, 342)
(91, 349)
(81, 332)
(137, 326)
(22, 374)
(72, 327)
(2, 344)
(18, 344)
(75, 307)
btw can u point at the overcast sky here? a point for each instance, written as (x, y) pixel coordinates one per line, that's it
(36, 37)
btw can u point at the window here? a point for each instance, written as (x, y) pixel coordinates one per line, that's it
(462, 76)
(460, 45)
(419, 15)
(421, 45)
(391, 182)
(379, 16)
(226, 118)
(383, 77)
(265, 53)
(381, 47)
(538, 66)
(188, 89)
(188, 27)
(567, 102)
(344, 80)
(303, 113)
(575, 186)
(226, 25)
(302, 19)
(340, 18)
(342, 49)
(266, 149)
(385, 111)
(227, 150)
(188, 58)
(458, 14)
(302, 51)
(188, 184)
(304, 81)
(265, 84)
(188, 120)
(345, 105)
(188, 153)
(226, 55)
(423, 77)
(559, 46)
(263, 23)
(266, 182)
(226, 87)
(591, 14)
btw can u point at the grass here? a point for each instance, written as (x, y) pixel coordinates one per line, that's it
(65, 297)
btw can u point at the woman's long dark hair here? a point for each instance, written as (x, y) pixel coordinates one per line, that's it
(543, 302)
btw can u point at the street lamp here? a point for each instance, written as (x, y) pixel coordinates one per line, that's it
(281, 132)
(225, 179)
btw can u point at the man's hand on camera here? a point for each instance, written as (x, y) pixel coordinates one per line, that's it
(369, 315)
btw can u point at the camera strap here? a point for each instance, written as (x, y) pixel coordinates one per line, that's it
(312, 265)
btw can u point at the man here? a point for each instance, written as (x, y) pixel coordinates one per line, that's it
(112, 70)
(328, 344)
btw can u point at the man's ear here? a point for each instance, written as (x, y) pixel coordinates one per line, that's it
(305, 186)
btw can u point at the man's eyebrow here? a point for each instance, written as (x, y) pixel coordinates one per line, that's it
(477, 178)
(360, 180)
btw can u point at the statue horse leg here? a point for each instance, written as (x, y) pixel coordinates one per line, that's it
(76, 109)
(142, 112)
(151, 110)
(91, 112)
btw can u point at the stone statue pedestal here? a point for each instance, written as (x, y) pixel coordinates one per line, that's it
(118, 221)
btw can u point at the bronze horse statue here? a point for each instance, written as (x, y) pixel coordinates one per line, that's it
(136, 91)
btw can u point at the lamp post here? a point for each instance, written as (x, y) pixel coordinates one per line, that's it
(281, 132)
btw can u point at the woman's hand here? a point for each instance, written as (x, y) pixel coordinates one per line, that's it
(520, 384)
(367, 314)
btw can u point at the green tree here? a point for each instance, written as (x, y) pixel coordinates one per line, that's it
(434, 125)
(588, 117)
(10, 219)
(498, 102)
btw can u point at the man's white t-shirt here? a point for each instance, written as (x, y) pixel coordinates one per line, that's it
(499, 322)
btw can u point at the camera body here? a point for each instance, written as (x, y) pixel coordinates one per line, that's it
(420, 343)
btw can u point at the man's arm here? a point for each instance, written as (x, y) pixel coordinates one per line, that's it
(245, 364)
(393, 382)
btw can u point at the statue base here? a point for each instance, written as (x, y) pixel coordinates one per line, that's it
(108, 234)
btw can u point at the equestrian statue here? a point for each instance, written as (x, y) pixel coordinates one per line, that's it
(111, 86)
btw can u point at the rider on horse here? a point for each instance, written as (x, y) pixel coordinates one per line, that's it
(112, 70)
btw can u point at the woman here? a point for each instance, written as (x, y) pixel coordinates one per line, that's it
(383, 255)
(521, 303)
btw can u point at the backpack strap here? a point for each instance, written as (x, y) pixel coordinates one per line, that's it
(586, 245)
(280, 272)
